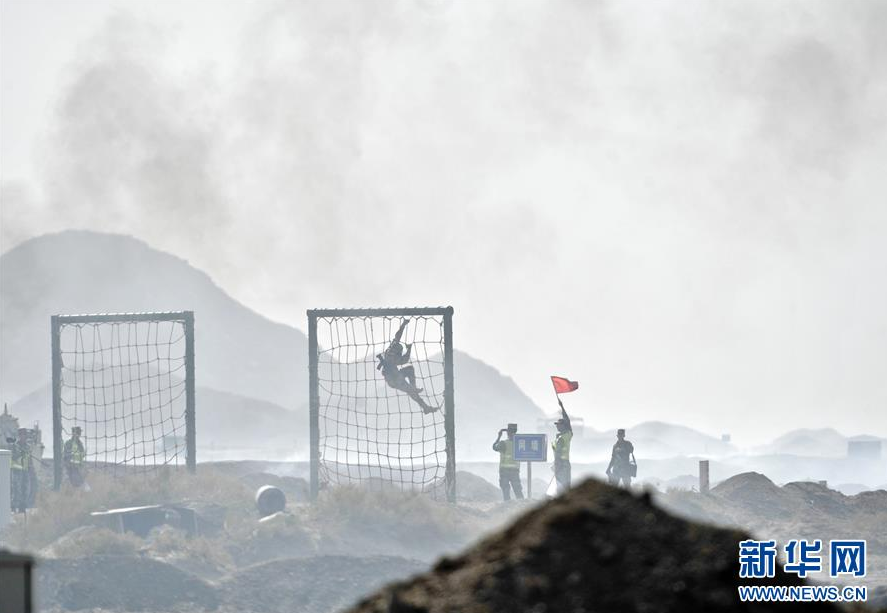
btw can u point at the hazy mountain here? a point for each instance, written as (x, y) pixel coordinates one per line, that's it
(670, 439)
(808, 442)
(486, 401)
(252, 372)
(652, 439)
(243, 359)
(237, 350)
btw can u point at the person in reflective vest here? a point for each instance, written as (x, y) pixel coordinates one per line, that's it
(74, 455)
(509, 469)
(22, 467)
(561, 447)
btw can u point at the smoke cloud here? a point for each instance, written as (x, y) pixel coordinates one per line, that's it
(680, 204)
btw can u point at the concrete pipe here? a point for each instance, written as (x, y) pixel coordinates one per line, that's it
(270, 500)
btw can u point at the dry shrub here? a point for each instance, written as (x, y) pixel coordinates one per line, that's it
(166, 542)
(58, 513)
(282, 535)
(393, 519)
(88, 540)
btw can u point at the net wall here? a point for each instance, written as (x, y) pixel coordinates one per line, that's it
(124, 384)
(369, 432)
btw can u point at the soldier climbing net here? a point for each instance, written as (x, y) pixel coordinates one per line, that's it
(127, 381)
(382, 414)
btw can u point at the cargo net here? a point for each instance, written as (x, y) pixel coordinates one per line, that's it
(372, 433)
(123, 384)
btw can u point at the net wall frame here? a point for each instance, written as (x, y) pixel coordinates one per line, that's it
(112, 386)
(361, 430)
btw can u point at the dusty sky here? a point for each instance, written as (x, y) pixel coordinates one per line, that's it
(682, 204)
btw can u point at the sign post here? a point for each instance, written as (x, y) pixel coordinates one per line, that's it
(529, 480)
(530, 448)
(703, 477)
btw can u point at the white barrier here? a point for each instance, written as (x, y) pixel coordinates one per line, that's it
(5, 487)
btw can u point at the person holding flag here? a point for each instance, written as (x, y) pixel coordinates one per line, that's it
(561, 444)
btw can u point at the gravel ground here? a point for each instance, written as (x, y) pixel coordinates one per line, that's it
(320, 584)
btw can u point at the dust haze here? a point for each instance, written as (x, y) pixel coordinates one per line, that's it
(680, 204)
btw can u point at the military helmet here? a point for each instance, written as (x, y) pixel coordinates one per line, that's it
(620, 432)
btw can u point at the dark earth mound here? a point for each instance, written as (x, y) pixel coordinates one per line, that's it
(319, 584)
(119, 583)
(312, 585)
(595, 549)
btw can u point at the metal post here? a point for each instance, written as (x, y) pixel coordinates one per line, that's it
(313, 405)
(703, 477)
(190, 420)
(449, 406)
(529, 480)
(55, 328)
(5, 491)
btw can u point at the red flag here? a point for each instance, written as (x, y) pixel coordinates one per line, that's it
(563, 385)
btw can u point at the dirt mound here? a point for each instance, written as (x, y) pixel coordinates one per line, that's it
(312, 585)
(119, 583)
(283, 535)
(595, 549)
(320, 584)
(91, 540)
(472, 488)
(819, 497)
(755, 493)
(870, 501)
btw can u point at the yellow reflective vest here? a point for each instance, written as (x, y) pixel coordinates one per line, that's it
(74, 451)
(506, 454)
(561, 446)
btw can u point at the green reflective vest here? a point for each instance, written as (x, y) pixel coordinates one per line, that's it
(74, 451)
(561, 446)
(506, 455)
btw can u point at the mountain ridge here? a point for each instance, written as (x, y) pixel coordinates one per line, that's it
(238, 351)
(243, 354)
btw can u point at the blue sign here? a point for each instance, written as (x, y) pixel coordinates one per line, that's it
(530, 448)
